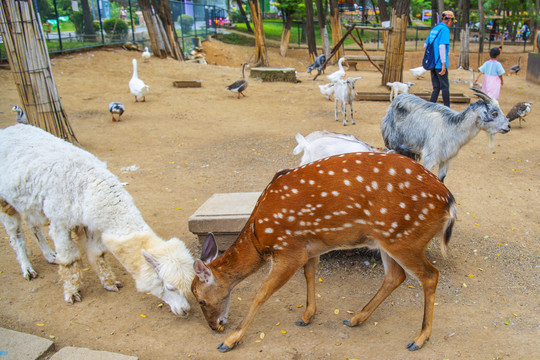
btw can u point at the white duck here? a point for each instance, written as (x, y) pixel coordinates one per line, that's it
(146, 54)
(327, 90)
(418, 72)
(137, 87)
(337, 75)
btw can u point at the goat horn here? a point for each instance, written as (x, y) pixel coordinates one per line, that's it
(482, 95)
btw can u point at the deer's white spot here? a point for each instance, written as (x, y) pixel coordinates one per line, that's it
(324, 194)
(347, 182)
(423, 194)
(321, 172)
(389, 187)
(425, 210)
(402, 205)
(407, 217)
(302, 181)
(345, 170)
(419, 177)
(407, 184)
(383, 210)
(374, 185)
(294, 191)
(335, 193)
(408, 171)
(347, 225)
(394, 224)
(431, 206)
(327, 217)
(291, 218)
(414, 197)
(375, 170)
(391, 171)
(268, 230)
(331, 172)
(311, 182)
(366, 211)
(368, 188)
(421, 217)
(360, 221)
(359, 179)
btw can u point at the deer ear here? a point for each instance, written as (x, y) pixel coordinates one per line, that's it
(151, 260)
(209, 249)
(202, 271)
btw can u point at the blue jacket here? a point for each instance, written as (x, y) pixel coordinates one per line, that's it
(442, 39)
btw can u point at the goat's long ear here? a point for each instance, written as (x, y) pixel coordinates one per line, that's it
(482, 95)
(209, 249)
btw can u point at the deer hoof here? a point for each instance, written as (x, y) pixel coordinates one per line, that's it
(412, 346)
(223, 348)
(301, 323)
(349, 323)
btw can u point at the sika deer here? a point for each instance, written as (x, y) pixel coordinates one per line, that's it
(382, 201)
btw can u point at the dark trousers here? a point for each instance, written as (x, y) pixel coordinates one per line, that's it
(440, 84)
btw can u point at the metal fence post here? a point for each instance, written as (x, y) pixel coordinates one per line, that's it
(100, 22)
(57, 25)
(132, 22)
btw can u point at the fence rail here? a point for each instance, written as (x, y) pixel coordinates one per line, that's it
(63, 29)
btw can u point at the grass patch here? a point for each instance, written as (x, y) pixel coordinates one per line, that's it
(236, 39)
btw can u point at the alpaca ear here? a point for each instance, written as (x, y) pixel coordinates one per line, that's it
(202, 271)
(151, 260)
(209, 249)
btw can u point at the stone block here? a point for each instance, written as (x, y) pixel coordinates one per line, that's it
(20, 346)
(273, 74)
(74, 353)
(224, 215)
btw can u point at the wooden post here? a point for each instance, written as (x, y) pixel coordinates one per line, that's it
(464, 48)
(31, 68)
(335, 24)
(393, 61)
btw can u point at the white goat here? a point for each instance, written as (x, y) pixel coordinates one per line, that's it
(45, 180)
(344, 94)
(321, 144)
(417, 128)
(397, 88)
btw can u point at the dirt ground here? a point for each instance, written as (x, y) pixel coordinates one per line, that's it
(191, 143)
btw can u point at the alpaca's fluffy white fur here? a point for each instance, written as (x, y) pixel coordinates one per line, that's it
(48, 181)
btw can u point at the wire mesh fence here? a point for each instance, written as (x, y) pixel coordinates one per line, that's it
(66, 29)
(111, 23)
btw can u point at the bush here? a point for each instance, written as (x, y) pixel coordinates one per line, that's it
(77, 21)
(115, 27)
(186, 22)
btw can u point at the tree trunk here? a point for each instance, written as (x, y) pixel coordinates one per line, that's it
(440, 8)
(481, 34)
(395, 49)
(165, 14)
(374, 7)
(321, 15)
(88, 23)
(464, 47)
(310, 29)
(286, 33)
(384, 17)
(261, 56)
(244, 15)
(434, 18)
(335, 24)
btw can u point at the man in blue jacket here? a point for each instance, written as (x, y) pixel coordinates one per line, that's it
(440, 36)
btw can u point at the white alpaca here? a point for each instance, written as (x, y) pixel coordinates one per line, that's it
(397, 88)
(45, 180)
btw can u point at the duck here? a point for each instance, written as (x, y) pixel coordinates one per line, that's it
(515, 69)
(337, 75)
(327, 90)
(418, 72)
(240, 85)
(137, 87)
(519, 111)
(21, 116)
(116, 109)
(146, 54)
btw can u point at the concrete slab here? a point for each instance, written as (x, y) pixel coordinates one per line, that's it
(73, 353)
(224, 215)
(20, 346)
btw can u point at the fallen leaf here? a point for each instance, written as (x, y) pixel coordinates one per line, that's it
(338, 343)
(470, 275)
(257, 341)
(320, 280)
(411, 287)
(261, 335)
(278, 324)
(464, 285)
(142, 315)
(283, 331)
(506, 322)
(239, 298)
(299, 306)
(515, 315)
(52, 336)
(336, 311)
(40, 324)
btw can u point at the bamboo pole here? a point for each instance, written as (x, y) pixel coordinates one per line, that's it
(29, 61)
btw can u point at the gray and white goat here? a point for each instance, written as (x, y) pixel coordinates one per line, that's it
(321, 144)
(416, 128)
(344, 93)
(318, 64)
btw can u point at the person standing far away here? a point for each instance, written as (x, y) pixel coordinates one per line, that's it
(441, 45)
(493, 75)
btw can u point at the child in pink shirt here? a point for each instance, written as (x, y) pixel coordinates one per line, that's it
(492, 71)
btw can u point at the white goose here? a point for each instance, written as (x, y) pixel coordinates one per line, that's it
(327, 90)
(337, 75)
(418, 71)
(137, 87)
(146, 54)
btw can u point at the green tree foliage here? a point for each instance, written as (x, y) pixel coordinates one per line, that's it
(115, 27)
(186, 22)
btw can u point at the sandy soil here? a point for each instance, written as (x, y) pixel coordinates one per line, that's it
(191, 143)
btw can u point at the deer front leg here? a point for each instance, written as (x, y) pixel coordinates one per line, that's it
(394, 275)
(352, 118)
(280, 273)
(310, 270)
